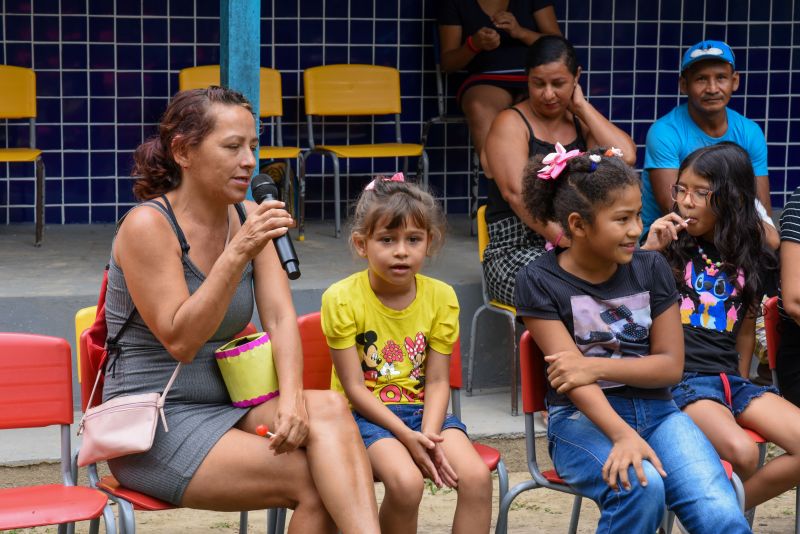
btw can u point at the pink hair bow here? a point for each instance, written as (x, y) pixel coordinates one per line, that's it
(398, 177)
(556, 161)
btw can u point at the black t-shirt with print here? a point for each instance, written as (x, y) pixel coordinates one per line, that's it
(608, 320)
(711, 314)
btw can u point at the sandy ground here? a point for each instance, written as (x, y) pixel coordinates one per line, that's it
(540, 510)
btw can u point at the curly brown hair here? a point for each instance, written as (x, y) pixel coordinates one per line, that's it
(186, 122)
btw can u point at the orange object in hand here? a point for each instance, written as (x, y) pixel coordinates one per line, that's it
(263, 430)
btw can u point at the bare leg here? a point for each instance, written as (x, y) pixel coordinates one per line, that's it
(332, 458)
(729, 439)
(403, 481)
(474, 507)
(481, 104)
(778, 421)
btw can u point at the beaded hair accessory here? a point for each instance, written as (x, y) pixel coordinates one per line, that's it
(398, 177)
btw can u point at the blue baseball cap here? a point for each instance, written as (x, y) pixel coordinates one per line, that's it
(708, 50)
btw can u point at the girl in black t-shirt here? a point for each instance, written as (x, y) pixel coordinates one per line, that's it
(606, 317)
(714, 242)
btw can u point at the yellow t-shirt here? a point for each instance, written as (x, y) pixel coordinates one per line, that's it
(391, 344)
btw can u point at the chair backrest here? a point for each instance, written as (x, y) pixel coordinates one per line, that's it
(483, 231)
(18, 90)
(771, 323)
(351, 90)
(532, 371)
(271, 94)
(35, 381)
(316, 354)
(83, 320)
(317, 357)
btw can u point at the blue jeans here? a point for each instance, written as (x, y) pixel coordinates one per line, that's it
(696, 487)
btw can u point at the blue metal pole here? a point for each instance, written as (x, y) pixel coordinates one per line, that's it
(240, 50)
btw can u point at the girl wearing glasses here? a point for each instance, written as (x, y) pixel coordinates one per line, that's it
(714, 242)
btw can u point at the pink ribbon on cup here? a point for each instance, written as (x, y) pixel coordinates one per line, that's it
(398, 177)
(556, 161)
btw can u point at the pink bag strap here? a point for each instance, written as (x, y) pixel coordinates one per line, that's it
(161, 399)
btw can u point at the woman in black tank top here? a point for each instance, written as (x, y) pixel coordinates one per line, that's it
(555, 111)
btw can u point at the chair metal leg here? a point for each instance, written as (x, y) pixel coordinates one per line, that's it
(796, 510)
(337, 197)
(502, 479)
(243, 522)
(514, 367)
(424, 158)
(126, 518)
(473, 191)
(473, 337)
(108, 520)
(505, 504)
(280, 521)
(302, 201)
(575, 515)
(272, 516)
(39, 216)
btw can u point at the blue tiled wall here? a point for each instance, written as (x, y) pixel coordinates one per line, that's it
(106, 68)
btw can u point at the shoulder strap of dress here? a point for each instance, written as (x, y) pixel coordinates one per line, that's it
(525, 120)
(240, 209)
(176, 226)
(578, 130)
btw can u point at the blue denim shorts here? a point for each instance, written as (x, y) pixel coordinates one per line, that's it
(696, 386)
(410, 414)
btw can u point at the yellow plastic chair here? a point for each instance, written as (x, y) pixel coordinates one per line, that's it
(353, 90)
(18, 90)
(509, 312)
(270, 107)
(83, 320)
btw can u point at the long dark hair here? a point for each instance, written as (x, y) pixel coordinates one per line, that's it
(738, 233)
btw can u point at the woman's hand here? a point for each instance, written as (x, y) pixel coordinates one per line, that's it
(569, 369)
(629, 450)
(420, 447)
(664, 231)
(578, 101)
(443, 467)
(291, 424)
(266, 222)
(486, 39)
(506, 21)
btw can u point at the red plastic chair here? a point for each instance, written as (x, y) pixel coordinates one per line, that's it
(128, 500)
(772, 321)
(36, 392)
(317, 375)
(534, 389)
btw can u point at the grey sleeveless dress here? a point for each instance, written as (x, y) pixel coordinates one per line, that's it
(198, 408)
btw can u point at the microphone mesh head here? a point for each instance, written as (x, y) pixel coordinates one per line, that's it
(262, 187)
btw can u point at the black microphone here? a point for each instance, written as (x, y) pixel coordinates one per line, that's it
(264, 189)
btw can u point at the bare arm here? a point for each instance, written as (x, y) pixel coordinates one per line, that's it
(629, 448)
(762, 192)
(149, 255)
(663, 367)
(599, 130)
(745, 344)
(544, 18)
(506, 155)
(790, 278)
(455, 54)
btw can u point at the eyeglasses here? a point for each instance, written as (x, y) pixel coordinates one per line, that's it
(699, 196)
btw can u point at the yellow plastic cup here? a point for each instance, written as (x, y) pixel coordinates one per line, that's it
(248, 370)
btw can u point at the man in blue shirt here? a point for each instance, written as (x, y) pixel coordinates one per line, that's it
(708, 79)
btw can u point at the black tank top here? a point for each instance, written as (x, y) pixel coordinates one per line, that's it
(497, 208)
